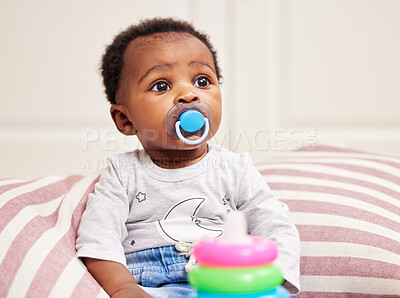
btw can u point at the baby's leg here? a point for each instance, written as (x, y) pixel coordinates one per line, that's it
(160, 272)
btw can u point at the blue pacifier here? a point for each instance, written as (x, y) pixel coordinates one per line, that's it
(188, 119)
(191, 121)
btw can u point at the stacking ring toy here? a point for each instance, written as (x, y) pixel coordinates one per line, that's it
(278, 292)
(211, 253)
(237, 264)
(240, 280)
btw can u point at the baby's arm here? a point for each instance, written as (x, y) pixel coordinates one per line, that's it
(115, 278)
(267, 217)
(101, 232)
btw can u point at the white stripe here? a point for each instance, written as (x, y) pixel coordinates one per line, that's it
(313, 182)
(350, 284)
(11, 181)
(12, 229)
(321, 169)
(347, 155)
(102, 294)
(340, 249)
(317, 219)
(352, 162)
(299, 195)
(68, 280)
(40, 249)
(12, 193)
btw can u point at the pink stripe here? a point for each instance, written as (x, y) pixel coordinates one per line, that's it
(348, 266)
(385, 162)
(61, 254)
(7, 187)
(341, 210)
(341, 295)
(50, 274)
(77, 215)
(335, 191)
(288, 159)
(376, 187)
(353, 168)
(20, 247)
(323, 148)
(38, 196)
(87, 287)
(319, 233)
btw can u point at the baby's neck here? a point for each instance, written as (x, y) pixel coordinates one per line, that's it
(174, 159)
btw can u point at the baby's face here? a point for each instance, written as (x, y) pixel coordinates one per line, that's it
(161, 71)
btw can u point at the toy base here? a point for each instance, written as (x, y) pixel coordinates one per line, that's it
(278, 292)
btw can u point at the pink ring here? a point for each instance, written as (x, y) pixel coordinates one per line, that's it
(211, 253)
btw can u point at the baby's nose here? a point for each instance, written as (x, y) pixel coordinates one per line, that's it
(186, 95)
(187, 98)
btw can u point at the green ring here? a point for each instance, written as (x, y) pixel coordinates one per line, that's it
(235, 280)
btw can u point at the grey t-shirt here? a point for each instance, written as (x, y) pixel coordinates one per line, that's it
(138, 205)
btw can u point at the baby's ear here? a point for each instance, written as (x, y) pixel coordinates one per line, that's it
(121, 120)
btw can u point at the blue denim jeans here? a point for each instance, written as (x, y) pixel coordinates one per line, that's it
(160, 272)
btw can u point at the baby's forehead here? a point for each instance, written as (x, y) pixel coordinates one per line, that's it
(153, 39)
(140, 45)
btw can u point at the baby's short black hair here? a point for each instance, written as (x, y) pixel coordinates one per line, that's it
(112, 61)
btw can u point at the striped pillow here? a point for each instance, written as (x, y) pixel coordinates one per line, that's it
(38, 223)
(344, 202)
(346, 205)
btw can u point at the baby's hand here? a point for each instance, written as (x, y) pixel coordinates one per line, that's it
(115, 278)
(131, 291)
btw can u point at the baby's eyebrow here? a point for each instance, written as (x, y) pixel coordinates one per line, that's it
(195, 63)
(155, 68)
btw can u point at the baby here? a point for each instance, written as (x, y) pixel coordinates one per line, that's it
(162, 80)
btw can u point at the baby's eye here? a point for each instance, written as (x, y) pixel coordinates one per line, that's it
(160, 87)
(202, 82)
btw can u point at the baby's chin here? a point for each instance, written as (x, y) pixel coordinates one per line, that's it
(179, 145)
(166, 142)
(169, 145)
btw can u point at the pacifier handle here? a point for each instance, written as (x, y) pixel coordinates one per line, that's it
(185, 140)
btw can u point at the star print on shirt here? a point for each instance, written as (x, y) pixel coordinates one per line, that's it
(141, 197)
(225, 200)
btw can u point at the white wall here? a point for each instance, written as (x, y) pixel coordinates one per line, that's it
(295, 71)
(320, 69)
(54, 117)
